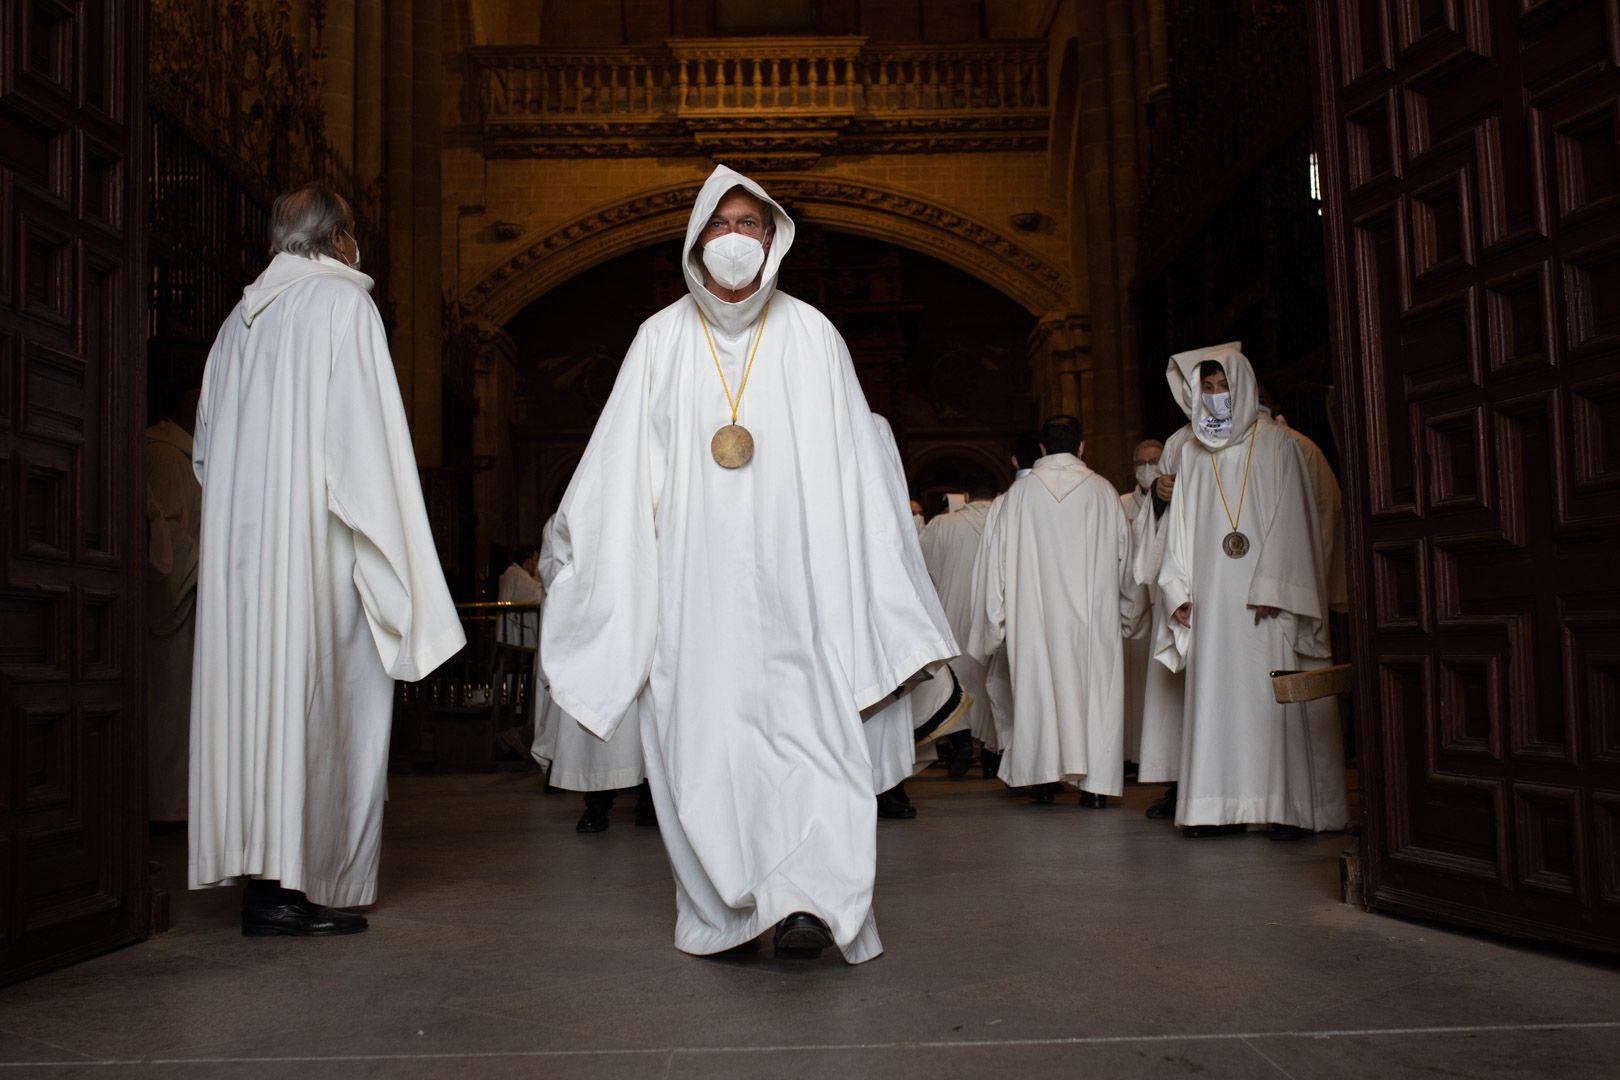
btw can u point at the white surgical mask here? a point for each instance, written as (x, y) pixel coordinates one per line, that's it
(1146, 474)
(1219, 405)
(356, 264)
(733, 260)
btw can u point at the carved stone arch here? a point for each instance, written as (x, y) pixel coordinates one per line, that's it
(852, 206)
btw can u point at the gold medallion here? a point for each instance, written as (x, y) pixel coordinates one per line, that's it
(1235, 544)
(733, 447)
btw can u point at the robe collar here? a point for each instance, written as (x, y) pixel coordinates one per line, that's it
(733, 319)
(1061, 474)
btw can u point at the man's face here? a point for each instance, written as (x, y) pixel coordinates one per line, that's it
(1215, 383)
(1146, 455)
(740, 212)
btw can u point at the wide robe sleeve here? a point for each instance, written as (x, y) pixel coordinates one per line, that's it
(1175, 584)
(373, 487)
(1133, 600)
(989, 596)
(1289, 574)
(601, 618)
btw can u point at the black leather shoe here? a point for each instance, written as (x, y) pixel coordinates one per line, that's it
(1165, 808)
(1046, 794)
(299, 919)
(1131, 770)
(802, 936)
(989, 763)
(1092, 801)
(592, 820)
(890, 808)
(1287, 832)
(1204, 832)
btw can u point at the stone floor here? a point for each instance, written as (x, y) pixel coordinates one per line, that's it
(1022, 941)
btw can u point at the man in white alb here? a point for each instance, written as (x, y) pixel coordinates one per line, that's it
(1056, 567)
(735, 564)
(950, 545)
(318, 584)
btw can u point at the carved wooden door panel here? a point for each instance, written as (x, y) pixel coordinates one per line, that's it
(72, 542)
(1469, 152)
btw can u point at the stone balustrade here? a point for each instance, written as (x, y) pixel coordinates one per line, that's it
(551, 102)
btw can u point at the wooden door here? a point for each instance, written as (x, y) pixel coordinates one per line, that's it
(72, 483)
(1472, 205)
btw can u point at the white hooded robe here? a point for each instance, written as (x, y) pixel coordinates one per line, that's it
(1245, 758)
(750, 614)
(318, 586)
(174, 517)
(1058, 589)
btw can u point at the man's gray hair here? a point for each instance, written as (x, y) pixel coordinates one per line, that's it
(303, 220)
(1150, 444)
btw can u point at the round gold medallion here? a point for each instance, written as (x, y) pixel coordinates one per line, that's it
(732, 446)
(1235, 544)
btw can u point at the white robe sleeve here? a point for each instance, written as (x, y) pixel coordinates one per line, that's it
(602, 598)
(1289, 573)
(373, 487)
(1133, 599)
(1175, 584)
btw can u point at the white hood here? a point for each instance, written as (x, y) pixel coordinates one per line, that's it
(284, 272)
(1182, 375)
(733, 319)
(1060, 474)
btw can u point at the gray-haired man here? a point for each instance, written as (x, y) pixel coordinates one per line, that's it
(318, 583)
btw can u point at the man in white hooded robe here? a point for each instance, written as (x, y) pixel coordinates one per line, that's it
(734, 564)
(1058, 589)
(318, 583)
(1244, 582)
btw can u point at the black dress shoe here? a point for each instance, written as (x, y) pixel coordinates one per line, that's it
(1287, 832)
(299, 919)
(1165, 808)
(1046, 794)
(1092, 801)
(1131, 770)
(989, 763)
(1204, 832)
(802, 936)
(646, 811)
(890, 808)
(592, 821)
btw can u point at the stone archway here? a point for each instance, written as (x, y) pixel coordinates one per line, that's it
(851, 206)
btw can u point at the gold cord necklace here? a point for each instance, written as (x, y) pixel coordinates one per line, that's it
(733, 446)
(1234, 543)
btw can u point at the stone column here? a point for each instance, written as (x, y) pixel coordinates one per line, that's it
(370, 36)
(338, 77)
(427, 231)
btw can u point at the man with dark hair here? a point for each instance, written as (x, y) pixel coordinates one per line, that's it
(318, 583)
(1057, 587)
(520, 584)
(1026, 451)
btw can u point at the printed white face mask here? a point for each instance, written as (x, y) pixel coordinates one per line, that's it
(1219, 405)
(733, 260)
(1145, 475)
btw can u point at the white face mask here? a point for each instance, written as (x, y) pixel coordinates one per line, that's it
(733, 260)
(356, 264)
(1219, 405)
(1146, 474)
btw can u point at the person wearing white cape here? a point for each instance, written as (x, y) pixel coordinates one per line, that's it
(733, 563)
(1058, 589)
(950, 545)
(1244, 580)
(318, 583)
(576, 760)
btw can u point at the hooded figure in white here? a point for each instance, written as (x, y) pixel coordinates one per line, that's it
(749, 613)
(1240, 609)
(1056, 566)
(318, 586)
(174, 519)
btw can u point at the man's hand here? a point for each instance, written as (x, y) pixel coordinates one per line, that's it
(1183, 614)
(1263, 612)
(1164, 485)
